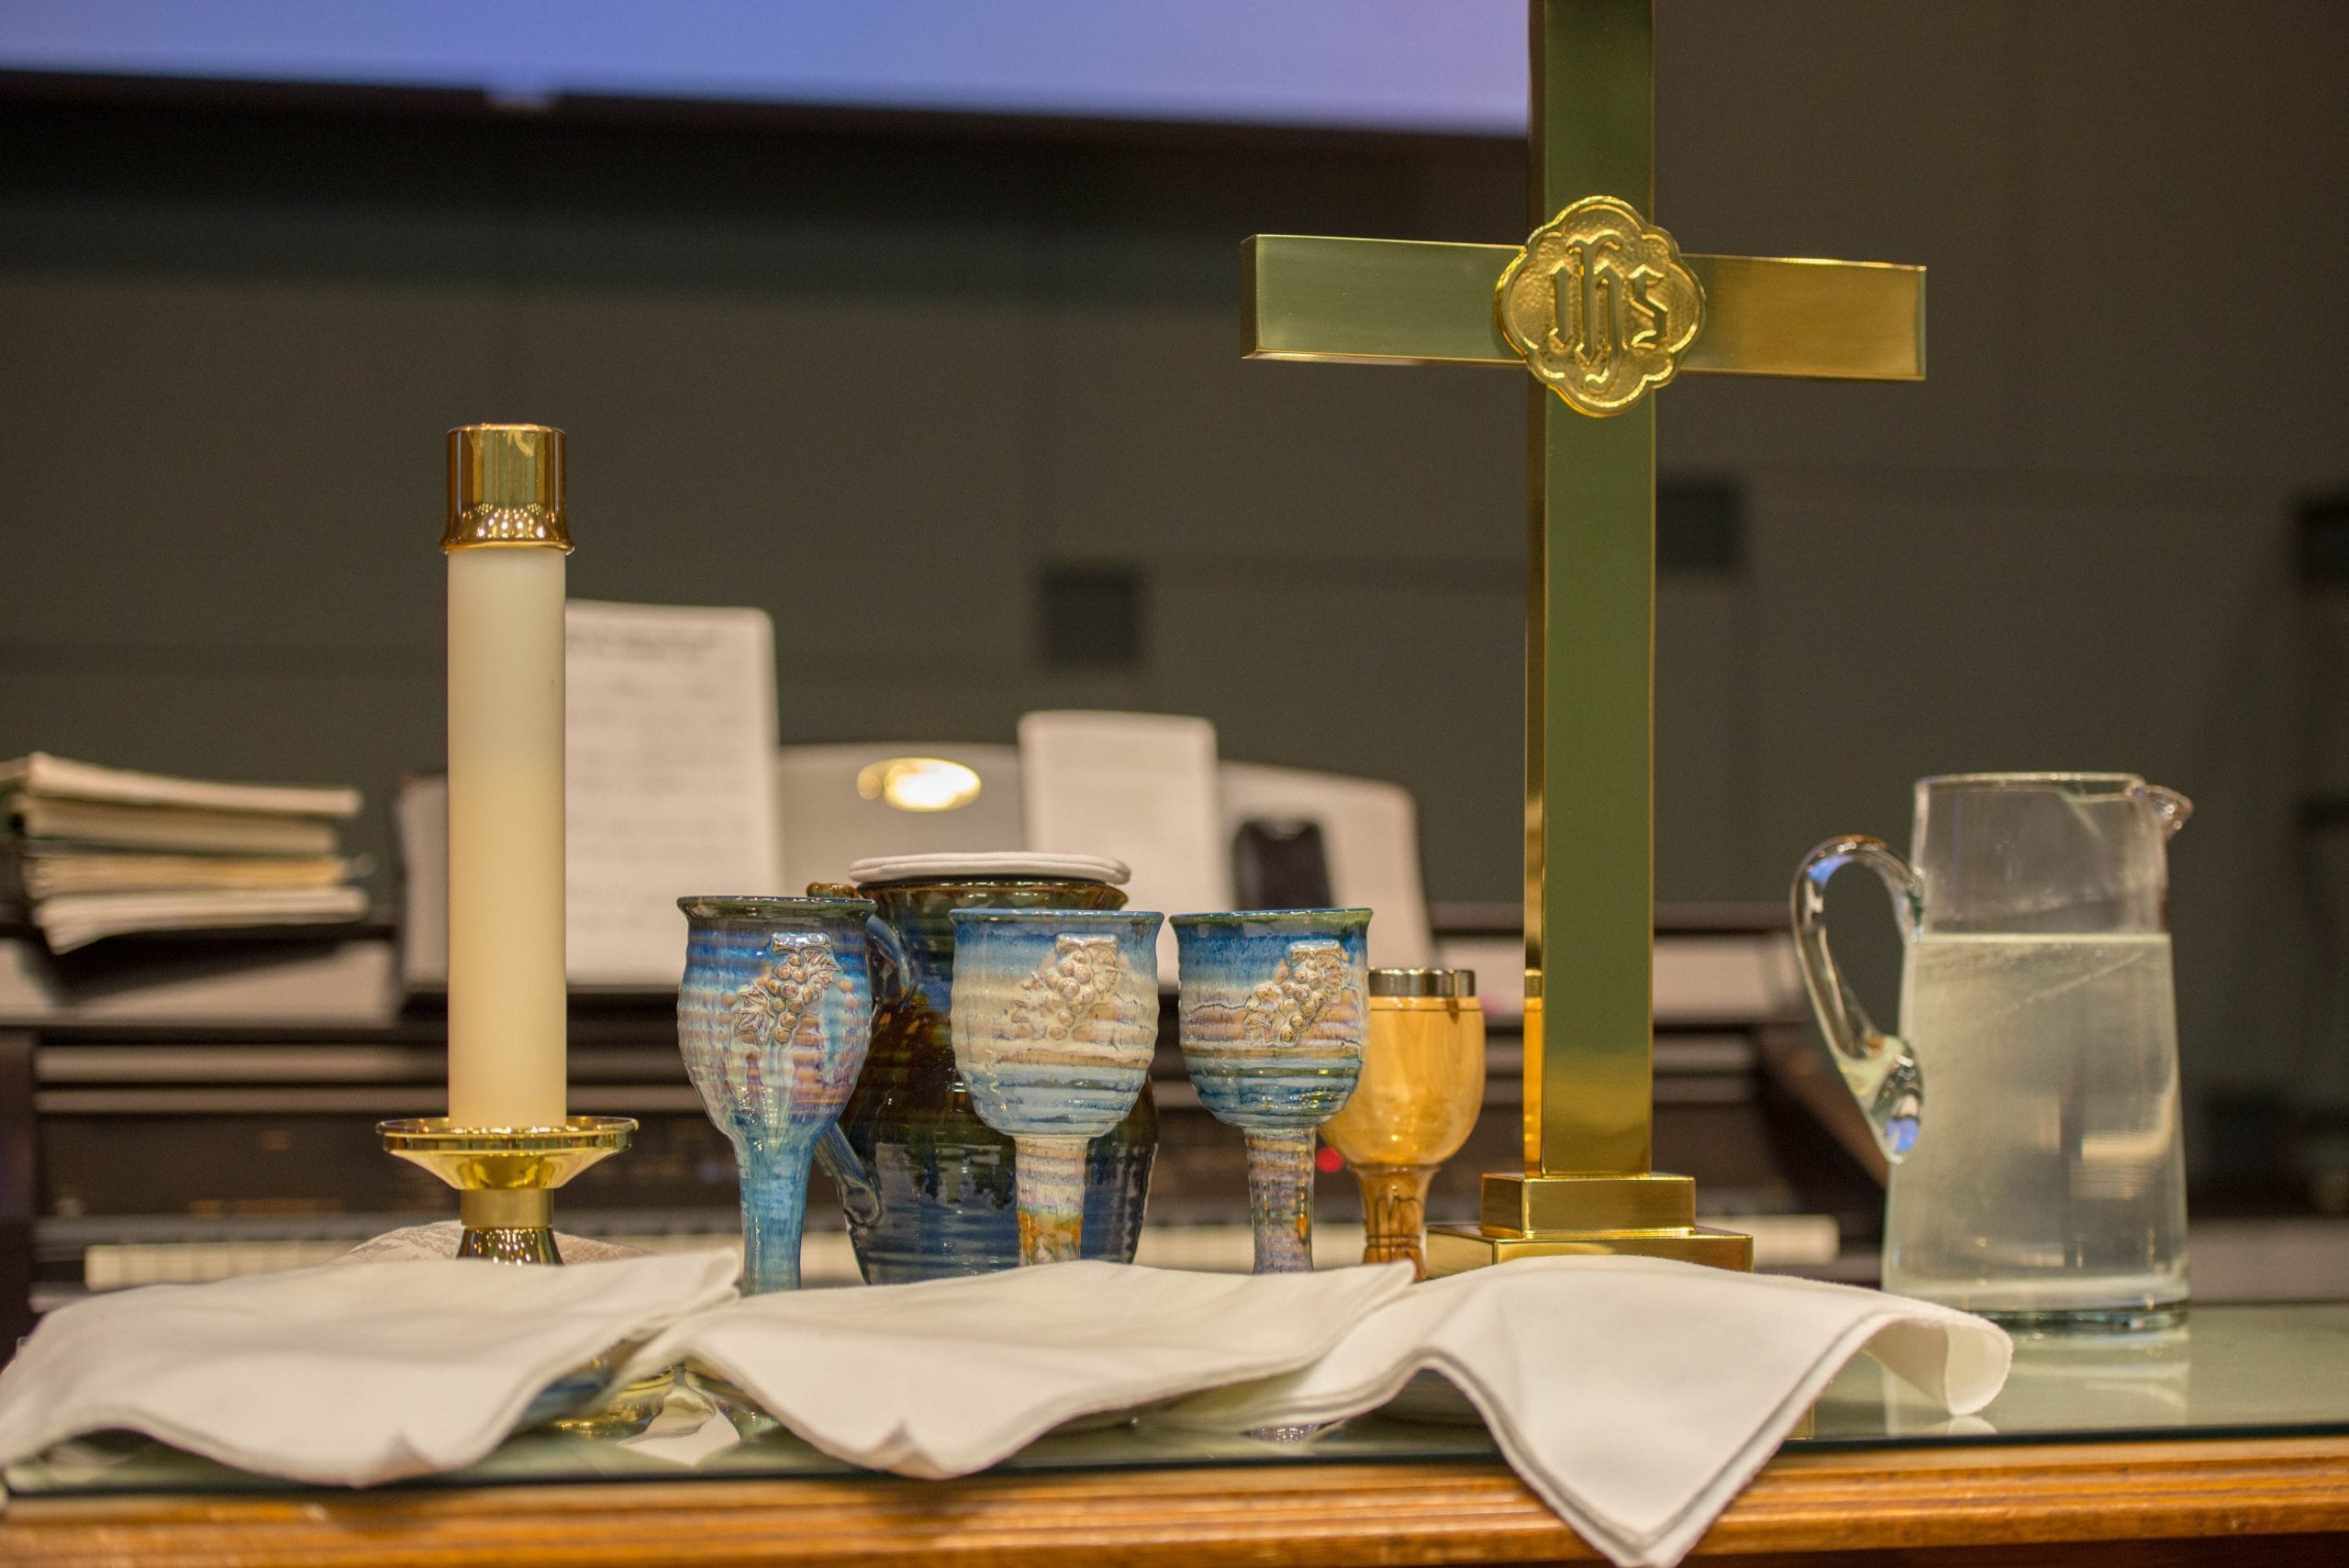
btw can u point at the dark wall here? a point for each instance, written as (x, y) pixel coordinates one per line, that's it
(874, 382)
(880, 381)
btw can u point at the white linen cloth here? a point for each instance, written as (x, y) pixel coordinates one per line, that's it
(343, 1374)
(949, 1376)
(1636, 1395)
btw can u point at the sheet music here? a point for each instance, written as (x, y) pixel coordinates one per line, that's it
(420, 815)
(1139, 787)
(670, 778)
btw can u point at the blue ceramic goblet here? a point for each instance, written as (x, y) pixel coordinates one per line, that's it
(774, 1017)
(1274, 1012)
(1055, 1017)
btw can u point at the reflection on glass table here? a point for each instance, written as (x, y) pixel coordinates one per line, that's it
(2229, 1372)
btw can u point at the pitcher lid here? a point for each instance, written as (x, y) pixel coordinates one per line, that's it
(991, 866)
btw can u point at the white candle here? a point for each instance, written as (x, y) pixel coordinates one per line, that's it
(507, 996)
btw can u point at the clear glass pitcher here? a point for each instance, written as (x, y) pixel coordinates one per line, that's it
(2029, 1105)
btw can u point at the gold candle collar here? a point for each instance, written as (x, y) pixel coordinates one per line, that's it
(505, 487)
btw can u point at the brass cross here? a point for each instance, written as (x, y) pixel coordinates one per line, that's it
(1602, 309)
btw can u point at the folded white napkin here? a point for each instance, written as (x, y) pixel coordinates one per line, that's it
(348, 1373)
(949, 1376)
(1637, 1397)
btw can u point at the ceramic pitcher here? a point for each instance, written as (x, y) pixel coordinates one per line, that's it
(2028, 1104)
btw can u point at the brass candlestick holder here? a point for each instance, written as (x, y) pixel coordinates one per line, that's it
(506, 1176)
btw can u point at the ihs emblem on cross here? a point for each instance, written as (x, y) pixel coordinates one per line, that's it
(1601, 305)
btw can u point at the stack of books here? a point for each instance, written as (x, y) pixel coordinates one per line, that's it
(91, 852)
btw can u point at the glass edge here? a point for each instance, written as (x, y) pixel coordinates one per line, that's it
(1048, 917)
(756, 906)
(979, 879)
(24, 1477)
(2215, 1431)
(2025, 781)
(1239, 917)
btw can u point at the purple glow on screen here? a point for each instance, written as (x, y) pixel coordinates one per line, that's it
(1436, 65)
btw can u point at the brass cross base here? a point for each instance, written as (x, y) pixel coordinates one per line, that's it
(1534, 1216)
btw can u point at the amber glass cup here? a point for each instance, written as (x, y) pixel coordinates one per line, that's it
(1422, 1084)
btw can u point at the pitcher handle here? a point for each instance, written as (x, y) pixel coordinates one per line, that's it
(860, 1199)
(1877, 1067)
(880, 936)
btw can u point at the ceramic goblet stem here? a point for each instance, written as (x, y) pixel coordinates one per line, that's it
(1280, 1201)
(774, 1213)
(1049, 1183)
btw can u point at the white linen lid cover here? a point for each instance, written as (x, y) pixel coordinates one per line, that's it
(990, 864)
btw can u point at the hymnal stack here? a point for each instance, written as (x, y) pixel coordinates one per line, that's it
(93, 852)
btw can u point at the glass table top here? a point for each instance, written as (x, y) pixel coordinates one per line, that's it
(2231, 1372)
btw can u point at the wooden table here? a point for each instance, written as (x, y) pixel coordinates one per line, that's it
(2106, 1504)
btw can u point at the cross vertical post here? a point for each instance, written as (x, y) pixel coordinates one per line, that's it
(1601, 307)
(1589, 642)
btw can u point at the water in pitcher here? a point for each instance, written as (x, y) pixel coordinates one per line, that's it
(2047, 1176)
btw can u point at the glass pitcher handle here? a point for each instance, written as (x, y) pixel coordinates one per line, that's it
(1877, 1066)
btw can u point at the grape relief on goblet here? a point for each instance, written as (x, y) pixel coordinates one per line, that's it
(772, 1015)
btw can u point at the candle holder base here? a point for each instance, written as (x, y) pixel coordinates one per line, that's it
(622, 1411)
(506, 1176)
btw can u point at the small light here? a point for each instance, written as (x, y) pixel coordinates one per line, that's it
(918, 783)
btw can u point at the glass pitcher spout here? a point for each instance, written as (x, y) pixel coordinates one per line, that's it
(1878, 1068)
(2170, 808)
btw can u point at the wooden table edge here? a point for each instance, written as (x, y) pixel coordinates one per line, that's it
(1897, 1500)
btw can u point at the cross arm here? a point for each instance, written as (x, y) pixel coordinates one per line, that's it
(1413, 302)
